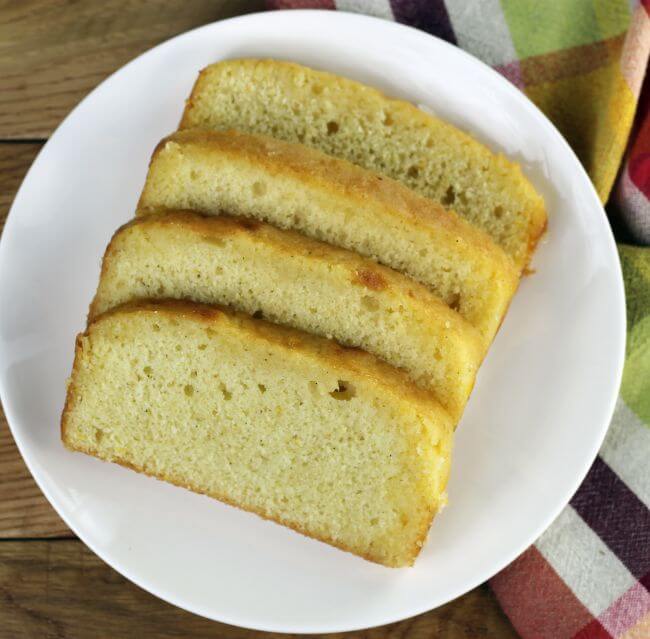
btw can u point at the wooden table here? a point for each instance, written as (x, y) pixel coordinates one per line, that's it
(52, 53)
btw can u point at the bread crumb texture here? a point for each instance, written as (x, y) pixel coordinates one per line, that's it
(293, 187)
(326, 440)
(289, 279)
(347, 119)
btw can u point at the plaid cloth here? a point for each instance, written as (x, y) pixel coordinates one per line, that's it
(583, 63)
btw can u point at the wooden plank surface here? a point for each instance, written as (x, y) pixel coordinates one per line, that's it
(51, 54)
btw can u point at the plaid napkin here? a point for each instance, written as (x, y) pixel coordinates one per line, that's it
(582, 62)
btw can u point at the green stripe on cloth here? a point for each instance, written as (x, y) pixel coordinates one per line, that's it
(541, 27)
(636, 377)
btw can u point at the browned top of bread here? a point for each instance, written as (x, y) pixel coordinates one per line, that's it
(359, 184)
(350, 120)
(348, 360)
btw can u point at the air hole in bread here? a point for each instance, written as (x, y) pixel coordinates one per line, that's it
(317, 89)
(148, 371)
(261, 388)
(413, 172)
(498, 212)
(259, 189)
(454, 302)
(194, 175)
(388, 120)
(188, 390)
(344, 391)
(370, 303)
(332, 127)
(258, 314)
(449, 196)
(227, 395)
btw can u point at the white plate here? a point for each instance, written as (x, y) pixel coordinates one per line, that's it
(537, 417)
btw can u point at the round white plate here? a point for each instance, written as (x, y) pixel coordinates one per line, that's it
(542, 402)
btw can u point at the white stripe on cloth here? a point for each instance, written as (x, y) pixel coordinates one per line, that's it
(634, 207)
(625, 451)
(481, 30)
(377, 8)
(588, 567)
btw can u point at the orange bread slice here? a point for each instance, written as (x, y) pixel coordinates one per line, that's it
(295, 428)
(295, 187)
(293, 280)
(355, 122)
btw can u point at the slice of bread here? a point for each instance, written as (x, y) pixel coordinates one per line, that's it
(292, 280)
(295, 187)
(295, 428)
(353, 121)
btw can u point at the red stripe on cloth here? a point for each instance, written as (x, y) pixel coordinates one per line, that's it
(645, 581)
(627, 610)
(539, 604)
(593, 631)
(639, 154)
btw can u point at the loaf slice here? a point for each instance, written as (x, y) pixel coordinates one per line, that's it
(294, 187)
(353, 121)
(295, 428)
(292, 280)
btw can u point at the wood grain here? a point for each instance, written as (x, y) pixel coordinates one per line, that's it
(60, 589)
(53, 52)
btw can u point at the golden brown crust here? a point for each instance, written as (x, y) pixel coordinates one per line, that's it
(358, 184)
(370, 278)
(350, 361)
(70, 391)
(363, 271)
(539, 225)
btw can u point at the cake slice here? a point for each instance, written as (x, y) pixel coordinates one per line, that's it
(293, 280)
(326, 440)
(355, 122)
(294, 187)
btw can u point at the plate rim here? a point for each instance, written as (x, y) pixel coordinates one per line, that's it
(621, 318)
